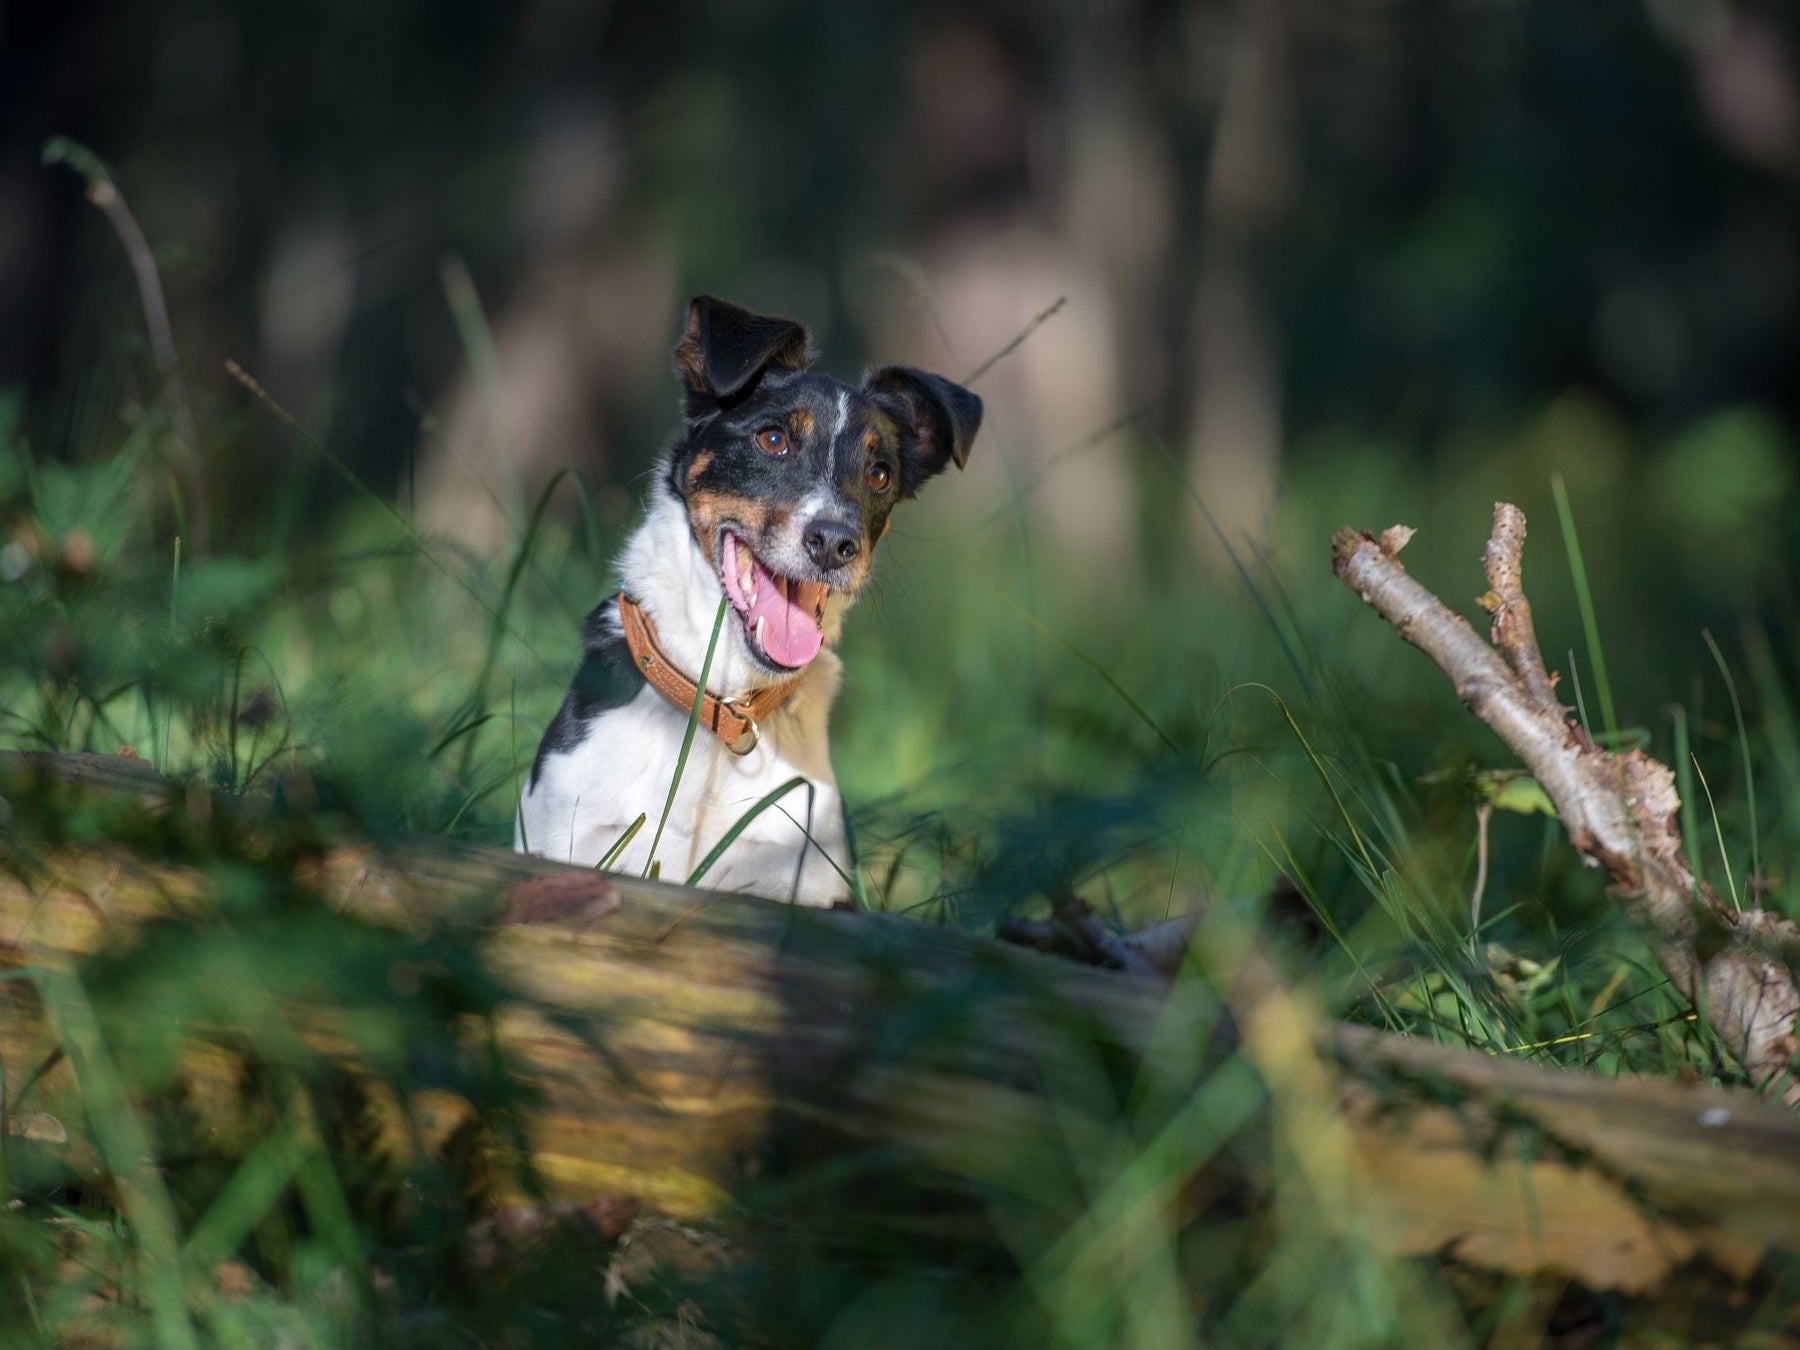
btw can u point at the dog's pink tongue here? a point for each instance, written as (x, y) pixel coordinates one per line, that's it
(789, 611)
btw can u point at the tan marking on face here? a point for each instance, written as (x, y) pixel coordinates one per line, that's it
(859, 573)
(754, 522)
(708, 510)
(702, 462)
(800, 423)
(871, 441)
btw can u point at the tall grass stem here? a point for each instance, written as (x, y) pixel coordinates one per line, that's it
(1590, 624)
(687, 738)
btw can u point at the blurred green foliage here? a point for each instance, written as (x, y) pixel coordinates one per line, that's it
(999, 736)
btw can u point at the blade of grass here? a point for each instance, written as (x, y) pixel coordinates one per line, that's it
(1777, 724)
(498, 779)
(1324, 775)
(255, 1188)
(483, 353)
(512, 726)
(104, 193)
(730, 836)
(1737, 713)
(1098, 669)
(805, 828)
(1289, 866)
(497, 627)
(590, 523)
(1237, 563)
(462, 728)
(174, 624)
(1683, 759)
(623, 842)
(1094, 440)
(328, 1211)
(687, 737)
(415, 540)
(914, 279)
(1719, 835)
(125, 1146)
(6, 1125)
(1590, 624)
(1070, 1276)
(1581, 712)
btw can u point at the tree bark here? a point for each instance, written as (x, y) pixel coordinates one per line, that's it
(685, 1045)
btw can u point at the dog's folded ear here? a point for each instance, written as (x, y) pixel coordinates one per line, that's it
(938, 420)
(724, 348)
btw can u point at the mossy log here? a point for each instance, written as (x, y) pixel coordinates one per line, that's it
(681, 1046)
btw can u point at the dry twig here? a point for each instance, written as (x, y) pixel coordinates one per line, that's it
(1620, 810)
(1074, 931)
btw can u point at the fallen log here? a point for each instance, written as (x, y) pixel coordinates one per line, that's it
(684, 1050)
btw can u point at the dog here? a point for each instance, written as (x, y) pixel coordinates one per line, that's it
(770, 501)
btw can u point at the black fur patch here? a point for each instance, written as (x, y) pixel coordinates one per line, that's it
(938, 420)
(724, 349)
(606, 680)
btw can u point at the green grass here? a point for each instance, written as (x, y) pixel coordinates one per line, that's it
(1184, 737)
(1590, 624)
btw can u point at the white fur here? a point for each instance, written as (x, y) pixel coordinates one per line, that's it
(585, 798)
(837, 432)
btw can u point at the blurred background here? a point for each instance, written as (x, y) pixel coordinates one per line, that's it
(1229, 276)
(1279, 230)
(1279, 266)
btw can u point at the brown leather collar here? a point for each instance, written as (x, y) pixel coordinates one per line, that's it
(733, 720)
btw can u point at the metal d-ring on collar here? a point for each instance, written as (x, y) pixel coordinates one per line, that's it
(735, 720)
(751, 736)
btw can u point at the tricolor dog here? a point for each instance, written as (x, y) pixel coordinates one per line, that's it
(772, 498)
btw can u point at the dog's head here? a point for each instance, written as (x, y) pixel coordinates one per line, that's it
(789, 476)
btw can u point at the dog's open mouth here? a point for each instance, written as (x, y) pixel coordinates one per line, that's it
(781, 615)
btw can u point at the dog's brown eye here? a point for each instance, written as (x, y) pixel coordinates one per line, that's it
(880, 476)
(772, 440)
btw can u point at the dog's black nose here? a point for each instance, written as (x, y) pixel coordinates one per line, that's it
(831, 543)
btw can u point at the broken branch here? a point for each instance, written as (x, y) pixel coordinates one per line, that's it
(1620, 810)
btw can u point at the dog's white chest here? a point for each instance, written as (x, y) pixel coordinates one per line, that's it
(586, 797)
